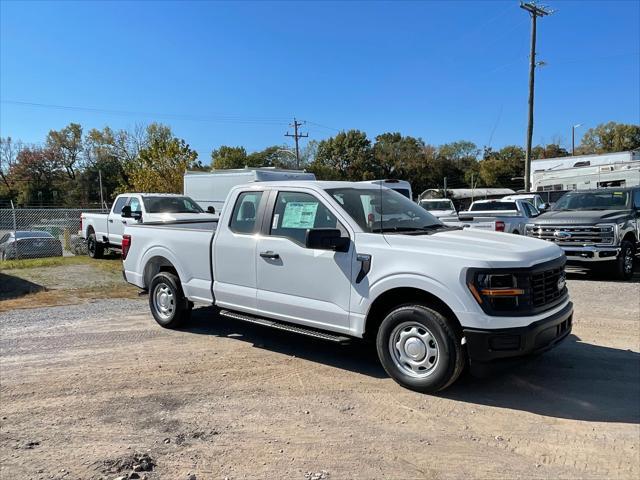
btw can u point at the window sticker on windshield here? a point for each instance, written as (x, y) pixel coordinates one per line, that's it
(276, 217)
(618, 193)
(299, 215)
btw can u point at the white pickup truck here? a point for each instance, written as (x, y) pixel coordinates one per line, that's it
(309, 259)
(104, 230)
(510, 216)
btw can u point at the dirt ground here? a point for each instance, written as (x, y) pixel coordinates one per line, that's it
(86, 389)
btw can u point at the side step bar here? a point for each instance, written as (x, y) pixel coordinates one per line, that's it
(245, 317)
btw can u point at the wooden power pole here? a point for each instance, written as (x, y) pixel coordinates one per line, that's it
(535, 11)
(296, 136)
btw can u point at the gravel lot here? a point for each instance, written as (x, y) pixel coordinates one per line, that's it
(84, 388)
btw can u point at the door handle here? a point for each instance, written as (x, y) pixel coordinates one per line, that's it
(124, 221)
(110, 220)
(269, 254)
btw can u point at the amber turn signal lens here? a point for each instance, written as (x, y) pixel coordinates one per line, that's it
(503, 292)
(474, 292)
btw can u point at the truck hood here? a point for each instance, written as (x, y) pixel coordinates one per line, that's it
(581, 217)
(479, 248)
(442, 213)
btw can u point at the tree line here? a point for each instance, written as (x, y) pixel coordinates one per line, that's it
(66, 168)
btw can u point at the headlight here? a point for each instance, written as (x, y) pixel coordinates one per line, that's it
(500, 290)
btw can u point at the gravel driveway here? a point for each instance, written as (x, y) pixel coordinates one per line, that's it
(87, 389)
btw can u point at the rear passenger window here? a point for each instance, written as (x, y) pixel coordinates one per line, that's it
(295, 213)
(135, 205)
(636, 198)
(243, 217)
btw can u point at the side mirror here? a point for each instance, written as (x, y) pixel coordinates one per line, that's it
(326, 239)
(543, 207)
(211, 209)
(126, 212)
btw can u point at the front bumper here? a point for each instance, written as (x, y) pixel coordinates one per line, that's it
(488, 346)
(590, 254)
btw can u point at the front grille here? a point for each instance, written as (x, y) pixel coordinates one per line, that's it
(573, 235)
(545, 286)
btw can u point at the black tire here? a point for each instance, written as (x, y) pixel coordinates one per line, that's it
(516, 232)
(94, 248)
(624, 264)
(174, 309)
(442, 367)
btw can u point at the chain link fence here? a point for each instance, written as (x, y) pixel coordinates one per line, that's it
(41, 232)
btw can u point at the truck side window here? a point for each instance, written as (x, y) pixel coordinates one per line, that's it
(636, 198)
(135, 205)
(243, 217)
(120, 202)
(296, 212)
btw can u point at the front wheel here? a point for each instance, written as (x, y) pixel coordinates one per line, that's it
(168, 304)
(419, 348)
(624, 263)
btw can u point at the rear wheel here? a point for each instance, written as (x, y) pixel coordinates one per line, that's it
(168, 304)
(419, 348)
(94, 249)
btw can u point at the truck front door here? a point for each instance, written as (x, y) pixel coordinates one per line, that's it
(296, 283)
(114, 224)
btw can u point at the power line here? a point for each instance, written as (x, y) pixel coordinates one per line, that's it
(296, 135)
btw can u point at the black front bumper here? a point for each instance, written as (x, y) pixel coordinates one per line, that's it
(489, 346)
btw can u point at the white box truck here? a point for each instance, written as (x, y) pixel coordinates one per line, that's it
(210, 189)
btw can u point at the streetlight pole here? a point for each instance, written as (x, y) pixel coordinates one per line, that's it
(573, 138)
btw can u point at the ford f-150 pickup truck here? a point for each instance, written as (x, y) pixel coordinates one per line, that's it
(496, 215)
(104, 230)
(595, 228)
(309, 258)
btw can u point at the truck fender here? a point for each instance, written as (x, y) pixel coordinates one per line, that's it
(161, 254)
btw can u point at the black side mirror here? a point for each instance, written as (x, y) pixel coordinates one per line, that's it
(326, 239)
(126, 212)
(543, 207)
(211, 209)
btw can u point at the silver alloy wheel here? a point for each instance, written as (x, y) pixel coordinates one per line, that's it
(164, 301)
(628, 261)
(414, 349)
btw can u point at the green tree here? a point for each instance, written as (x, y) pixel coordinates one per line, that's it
(498, 168)
(609, 138)
(66, 145)
(160, 165)
(552, 150)
(38, 177)
(347, 156)
(229, 157)
(395, 155)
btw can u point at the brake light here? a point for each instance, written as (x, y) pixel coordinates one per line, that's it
(126, 244)
(499, 226)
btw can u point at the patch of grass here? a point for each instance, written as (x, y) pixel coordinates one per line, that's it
(112, 264)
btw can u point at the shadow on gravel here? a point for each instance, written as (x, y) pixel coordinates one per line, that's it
(358, 356)
(14, 287)
(579, 273)
(576, 380)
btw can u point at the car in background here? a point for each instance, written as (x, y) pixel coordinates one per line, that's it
(104, 230)
(438, 207)
(29, 244)
(533, 198)
(496, 215)
(599, 229)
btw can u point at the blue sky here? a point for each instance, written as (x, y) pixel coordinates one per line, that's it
(235, 73)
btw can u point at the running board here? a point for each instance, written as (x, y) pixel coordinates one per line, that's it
(245, 317)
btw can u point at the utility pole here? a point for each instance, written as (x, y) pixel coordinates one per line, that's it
(101, 198)
(573, 139)
(296, 135)
(535, 11)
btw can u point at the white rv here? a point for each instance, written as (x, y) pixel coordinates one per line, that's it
(401, 186)
(210, 189)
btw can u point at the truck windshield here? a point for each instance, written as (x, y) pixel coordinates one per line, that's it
(378, 210)
(492, 206)
(171, 205)
(605, 200)
(437, 205)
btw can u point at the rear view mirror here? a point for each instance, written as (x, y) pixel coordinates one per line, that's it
(326, 239)
(211, 209)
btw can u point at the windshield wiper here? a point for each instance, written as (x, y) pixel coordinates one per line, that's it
(416, 230)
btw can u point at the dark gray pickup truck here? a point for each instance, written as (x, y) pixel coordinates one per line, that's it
(595, 228)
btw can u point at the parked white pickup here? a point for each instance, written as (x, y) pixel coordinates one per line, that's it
(307, 257)
(104, 230)
(495, 215)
